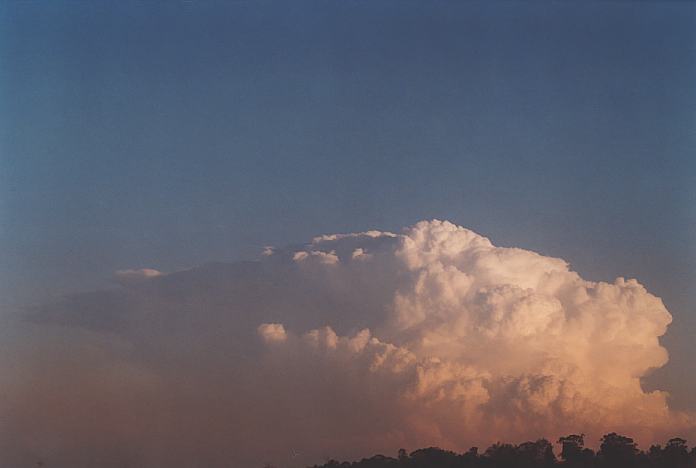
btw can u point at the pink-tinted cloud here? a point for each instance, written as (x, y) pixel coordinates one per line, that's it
(352, 344)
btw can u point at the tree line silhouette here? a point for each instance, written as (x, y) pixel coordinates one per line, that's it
(615, 451)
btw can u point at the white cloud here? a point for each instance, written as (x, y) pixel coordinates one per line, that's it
(129, 276)
(327, 258)
(360, 254)
(367, 234)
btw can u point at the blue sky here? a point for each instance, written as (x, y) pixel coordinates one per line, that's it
(168, 135)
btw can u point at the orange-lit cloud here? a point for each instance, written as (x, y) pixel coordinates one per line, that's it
(348, 345)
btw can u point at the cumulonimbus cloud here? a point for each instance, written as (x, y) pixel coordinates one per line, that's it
(348, 345)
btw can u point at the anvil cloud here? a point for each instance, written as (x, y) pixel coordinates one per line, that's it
(347, 345)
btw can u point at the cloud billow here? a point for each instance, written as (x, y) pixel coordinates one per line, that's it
(350, 344)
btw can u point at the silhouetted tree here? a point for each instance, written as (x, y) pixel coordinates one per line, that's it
(617, 451)
(573, 450)
(676, 453)
(654, 455)
(470, 458)
(432, 456)
(502, 454)
(536, 454)
(378, 461)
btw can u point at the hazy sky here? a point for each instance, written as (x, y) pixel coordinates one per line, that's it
(168, 135)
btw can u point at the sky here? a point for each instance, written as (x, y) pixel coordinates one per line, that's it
(170, 135)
